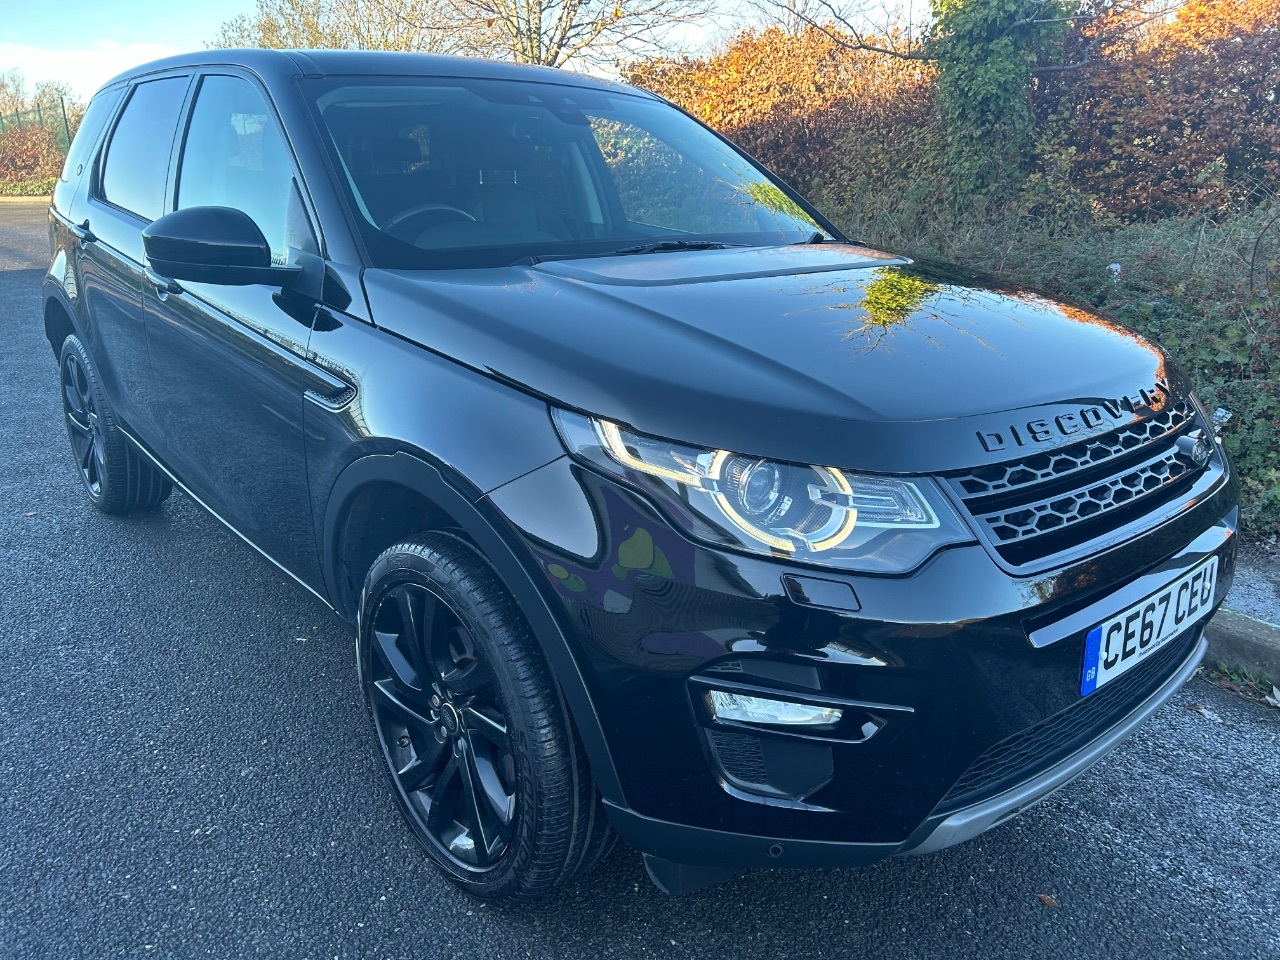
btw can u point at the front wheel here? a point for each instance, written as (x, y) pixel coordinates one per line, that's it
(483, 757)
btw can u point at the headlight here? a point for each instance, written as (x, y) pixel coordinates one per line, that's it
(818, 515)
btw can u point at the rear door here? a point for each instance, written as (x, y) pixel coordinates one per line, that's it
(127, 192)
(229, 367)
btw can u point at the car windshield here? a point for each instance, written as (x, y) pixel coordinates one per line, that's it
(450, 173)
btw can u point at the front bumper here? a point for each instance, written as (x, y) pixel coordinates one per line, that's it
(947, 829)
(684, 844)
(954, 662)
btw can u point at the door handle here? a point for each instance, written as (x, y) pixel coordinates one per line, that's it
(164, 286)
(83, 233)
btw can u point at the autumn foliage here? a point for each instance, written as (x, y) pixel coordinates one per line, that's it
(29, 157)
(794, 101)
(35, 130)
(810, 109)
(1163, 119)
(1182, 115)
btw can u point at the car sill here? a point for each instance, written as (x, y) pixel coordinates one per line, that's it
(217, 516)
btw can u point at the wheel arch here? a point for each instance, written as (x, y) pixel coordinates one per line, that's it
(58, 319)
(401, 481)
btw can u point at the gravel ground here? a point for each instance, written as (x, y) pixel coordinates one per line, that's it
(1256, 590)
(186, 771)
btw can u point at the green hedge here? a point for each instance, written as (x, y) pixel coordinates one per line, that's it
(36, 187)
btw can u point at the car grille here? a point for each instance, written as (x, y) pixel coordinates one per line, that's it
(1020, 757)
(1047, 503)
(740, 756)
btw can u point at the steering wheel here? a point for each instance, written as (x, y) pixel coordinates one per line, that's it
(394, 225)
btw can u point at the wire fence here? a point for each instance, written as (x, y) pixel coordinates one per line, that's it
(51, 116)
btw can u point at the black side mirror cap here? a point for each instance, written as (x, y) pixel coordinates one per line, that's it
(213, 245)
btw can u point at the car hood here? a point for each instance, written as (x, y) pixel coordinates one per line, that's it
(833, 353)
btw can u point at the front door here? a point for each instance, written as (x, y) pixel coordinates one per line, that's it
(229, 369)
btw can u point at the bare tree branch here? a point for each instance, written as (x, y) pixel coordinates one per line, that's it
(837, 23)
(842, 23)
(1120, 27)
(555, 32)
(418, 26)
(547, 32)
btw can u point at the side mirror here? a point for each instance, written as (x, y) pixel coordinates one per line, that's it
(213, 245)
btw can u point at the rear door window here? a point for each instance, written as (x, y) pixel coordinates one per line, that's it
(95, 118)
(137, 160)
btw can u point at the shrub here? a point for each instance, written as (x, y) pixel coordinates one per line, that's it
(32, 187)
(30, 158)
(1182, 117)
(813, 110)
(29, 151)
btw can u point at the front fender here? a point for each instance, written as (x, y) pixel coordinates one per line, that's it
(485, 527)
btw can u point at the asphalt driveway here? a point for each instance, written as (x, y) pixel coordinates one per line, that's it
(186, 771)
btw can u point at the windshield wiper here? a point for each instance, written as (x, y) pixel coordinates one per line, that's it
(663, 246)
(816, 237)
(658, 246)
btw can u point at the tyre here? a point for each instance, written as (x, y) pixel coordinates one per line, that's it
(483, 757)
(116, 476)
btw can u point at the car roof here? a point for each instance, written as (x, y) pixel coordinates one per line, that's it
(283, 65)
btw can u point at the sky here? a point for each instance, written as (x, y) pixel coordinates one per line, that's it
(87, 42)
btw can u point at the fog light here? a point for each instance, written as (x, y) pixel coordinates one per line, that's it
(744, 709)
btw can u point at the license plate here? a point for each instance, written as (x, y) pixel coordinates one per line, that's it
(1121, 643)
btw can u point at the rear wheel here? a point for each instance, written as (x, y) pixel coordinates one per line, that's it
(485, 763)
(115, 475)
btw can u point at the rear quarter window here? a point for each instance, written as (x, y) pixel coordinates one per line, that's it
(80, 156)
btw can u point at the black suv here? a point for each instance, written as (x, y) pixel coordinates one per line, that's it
(659, 508)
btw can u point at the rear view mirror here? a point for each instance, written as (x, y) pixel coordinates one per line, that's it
(212, 245)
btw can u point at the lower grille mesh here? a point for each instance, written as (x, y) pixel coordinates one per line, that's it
(740, 756)
(1057, 512)
(1023, 755)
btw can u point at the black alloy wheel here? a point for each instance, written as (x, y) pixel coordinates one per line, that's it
(116, 476)
(442, 726)
(480, 748)
(84, 427)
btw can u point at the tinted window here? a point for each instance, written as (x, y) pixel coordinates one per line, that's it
(95, 118)
(137, 160)
(234, 156)
(476, 173)
(78, 157)
(661, 187)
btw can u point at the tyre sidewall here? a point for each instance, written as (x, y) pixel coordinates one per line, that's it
(396, 567)
(127, 480)
(106, 420)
